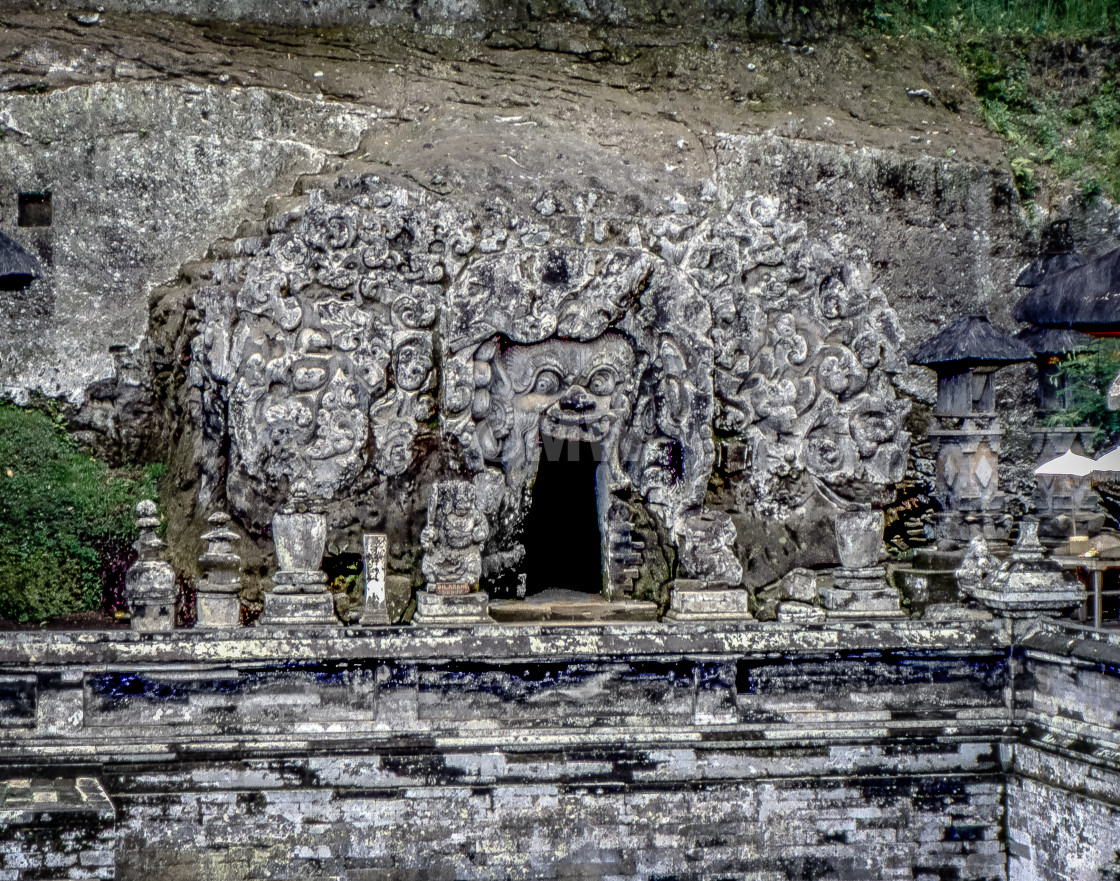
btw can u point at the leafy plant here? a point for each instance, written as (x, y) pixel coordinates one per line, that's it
(1074, 133)
(66, 519)
(1086, 377)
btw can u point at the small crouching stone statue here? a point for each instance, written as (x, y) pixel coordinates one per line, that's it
(712, 589)
(452, 564)
(149, 584)
(977, 563)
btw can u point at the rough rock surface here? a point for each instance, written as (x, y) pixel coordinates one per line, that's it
(160, 138)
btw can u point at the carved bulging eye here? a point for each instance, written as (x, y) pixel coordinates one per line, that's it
(548, 383)
(602, 382)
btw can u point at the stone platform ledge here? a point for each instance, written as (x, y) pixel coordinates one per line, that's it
(628, 640)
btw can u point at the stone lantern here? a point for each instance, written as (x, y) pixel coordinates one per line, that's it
(149, 586)
(217, 600)
(965, 357)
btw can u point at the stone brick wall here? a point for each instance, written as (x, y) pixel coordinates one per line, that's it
(1058, 835)
(1063, 797)
(56, 828)
(917, 750)
(372, 824)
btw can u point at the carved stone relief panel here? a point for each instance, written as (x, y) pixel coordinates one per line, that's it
(380, 338)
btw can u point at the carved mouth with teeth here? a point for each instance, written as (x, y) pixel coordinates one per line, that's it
(567, 426)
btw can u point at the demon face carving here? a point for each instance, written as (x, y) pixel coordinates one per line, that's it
(562, 389)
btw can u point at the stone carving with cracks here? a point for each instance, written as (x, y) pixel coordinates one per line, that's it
(385, 337)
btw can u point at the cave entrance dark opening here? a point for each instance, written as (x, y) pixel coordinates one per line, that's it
(561, 531)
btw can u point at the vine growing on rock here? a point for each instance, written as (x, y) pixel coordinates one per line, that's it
(66, 519)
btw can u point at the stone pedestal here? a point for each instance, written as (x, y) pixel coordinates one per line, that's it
(861, 593)
(298, 609)
(692, 600)
(451, 610)
(149, 586)
(1029, 584)
(217, 598)
(299, 595)
(859, 586)
(151, 590)
(375, 610)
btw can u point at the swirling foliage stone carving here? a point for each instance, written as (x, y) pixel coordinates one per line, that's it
(382, 335)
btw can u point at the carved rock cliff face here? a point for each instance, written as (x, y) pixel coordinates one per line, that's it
(628, 159)
(377, 335)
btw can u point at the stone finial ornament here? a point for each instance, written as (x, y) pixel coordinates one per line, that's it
(860, 588)
(218, 599)
(1028, 584)
(150, 587)
(299, 594)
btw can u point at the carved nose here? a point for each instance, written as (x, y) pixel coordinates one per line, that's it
(576, 401)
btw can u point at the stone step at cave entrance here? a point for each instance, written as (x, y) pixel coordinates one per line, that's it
(561, 531)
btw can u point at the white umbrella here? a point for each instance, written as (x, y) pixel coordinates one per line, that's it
(1069, 464)
(1110, 461)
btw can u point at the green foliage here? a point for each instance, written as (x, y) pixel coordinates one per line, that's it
(61, 513)
(1087, 376)
(1073, 132)
(1075, 18)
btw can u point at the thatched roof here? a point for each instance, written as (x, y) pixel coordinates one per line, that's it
(1084, 298)
(17, 268)
(1048, 264)
(1053, 340)
(970, 342)
(1056, 254)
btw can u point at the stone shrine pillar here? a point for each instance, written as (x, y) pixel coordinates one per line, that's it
(1060, 501)
(149, 585)
(452, 544)
(218, 594)
(375, 550)
(967, 440)
(299, 595)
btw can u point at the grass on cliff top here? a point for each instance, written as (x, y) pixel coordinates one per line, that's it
(66, 519)
(1067, 18)
(1067, 130)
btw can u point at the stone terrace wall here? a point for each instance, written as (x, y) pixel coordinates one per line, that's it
(1063, 798)
(917, 750)
(635, 751)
